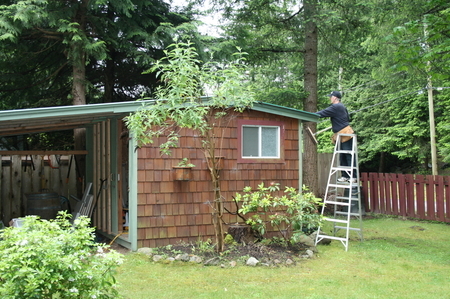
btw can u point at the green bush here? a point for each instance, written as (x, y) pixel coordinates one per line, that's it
(55, 259)
(293, 213)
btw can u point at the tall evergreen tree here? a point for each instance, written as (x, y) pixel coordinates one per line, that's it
(77, 52)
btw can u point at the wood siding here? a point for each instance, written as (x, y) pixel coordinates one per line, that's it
(171, 211)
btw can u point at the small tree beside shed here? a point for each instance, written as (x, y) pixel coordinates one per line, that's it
(179, 104)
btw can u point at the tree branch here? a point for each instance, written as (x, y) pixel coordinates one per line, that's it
(291, 17)
(273, 50)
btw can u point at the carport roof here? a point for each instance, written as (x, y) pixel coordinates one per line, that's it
(35, 120)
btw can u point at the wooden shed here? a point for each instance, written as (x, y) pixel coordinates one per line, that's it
(138, 194)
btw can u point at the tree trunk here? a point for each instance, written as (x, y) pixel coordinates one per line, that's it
(79, 98)
(310, 177)
(242, 233)
(79, 92)
(382, 162)
(217, 215)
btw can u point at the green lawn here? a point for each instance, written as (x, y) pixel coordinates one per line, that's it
(398, 259)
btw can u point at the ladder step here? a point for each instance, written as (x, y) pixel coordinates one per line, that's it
(350, 228)
(347, 198)
(338, 203)
(320, 237)
(348, 168)
(342, 185)
(335, 220)
(343, 152)
(346, 213)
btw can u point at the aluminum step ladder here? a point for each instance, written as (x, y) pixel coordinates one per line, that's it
(345, 197)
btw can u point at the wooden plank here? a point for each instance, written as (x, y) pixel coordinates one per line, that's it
(401, 181)
(16, 196)
(103, 175)
(447, 198)
(419, 183)
(323, 166)
(388, 194)
(121, 150)
(410, 202)
(27, 172)
(6, 192)
(34, 174)
(440, 198)
(394, 193)
(382, 190)
(108, 176)
(430, 198)
(365, 191)
(374, 192)
(96, 175)
(53, 178)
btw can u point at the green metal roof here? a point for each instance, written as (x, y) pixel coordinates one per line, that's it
(33, 120)
(285, 111)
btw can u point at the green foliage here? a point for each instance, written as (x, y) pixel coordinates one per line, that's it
(185, 163)
(53, 259)
(179, 102)
(294, 212)
(229, 240)
(203, 246)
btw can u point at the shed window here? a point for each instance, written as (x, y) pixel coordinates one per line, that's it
(260, 141)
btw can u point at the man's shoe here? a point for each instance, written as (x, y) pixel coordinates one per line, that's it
(353, 180)
(342, 179)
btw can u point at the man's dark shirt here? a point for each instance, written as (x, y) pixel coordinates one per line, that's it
(338, 115)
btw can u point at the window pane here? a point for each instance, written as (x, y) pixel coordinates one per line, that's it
(269, 141)
(250, 141)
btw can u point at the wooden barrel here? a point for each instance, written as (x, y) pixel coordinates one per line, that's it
(44, 205)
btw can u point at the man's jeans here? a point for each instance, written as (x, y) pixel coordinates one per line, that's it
(346, 159)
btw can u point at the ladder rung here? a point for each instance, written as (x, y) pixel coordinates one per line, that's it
(346, 213)
(343, 167)
(335, 220)
(343, 152)
(343, 185)
(350, 228)
(339, 203)
(347, 198)
(320, 237)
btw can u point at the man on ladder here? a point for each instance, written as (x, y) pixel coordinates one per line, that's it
(340, 122)
(343, 197)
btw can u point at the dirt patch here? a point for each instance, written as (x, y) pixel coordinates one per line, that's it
(268, 254)
(120, 248)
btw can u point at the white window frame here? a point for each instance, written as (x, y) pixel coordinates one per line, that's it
(260, 140)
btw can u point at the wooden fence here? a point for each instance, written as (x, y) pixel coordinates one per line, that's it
(424, 197)
(35, 173)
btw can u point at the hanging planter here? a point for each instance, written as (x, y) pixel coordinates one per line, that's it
(183, 171)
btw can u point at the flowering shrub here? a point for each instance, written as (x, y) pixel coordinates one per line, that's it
(294, 212)
(55, 259)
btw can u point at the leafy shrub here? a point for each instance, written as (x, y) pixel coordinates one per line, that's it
(55, 259)
(294, 212)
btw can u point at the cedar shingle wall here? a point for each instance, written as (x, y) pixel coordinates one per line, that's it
(171, 211)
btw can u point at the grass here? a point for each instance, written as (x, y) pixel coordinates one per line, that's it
(398, 259)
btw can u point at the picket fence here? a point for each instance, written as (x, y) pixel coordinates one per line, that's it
(425, 197)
